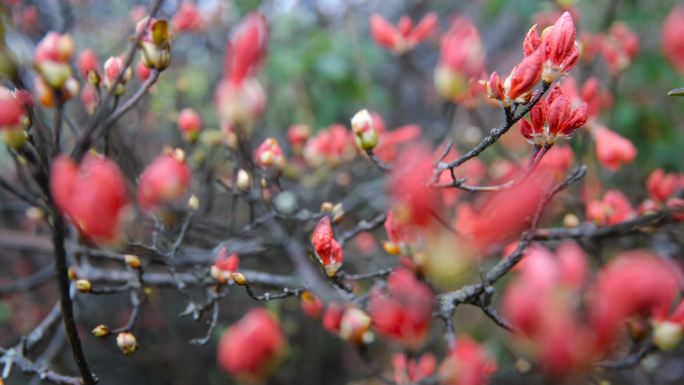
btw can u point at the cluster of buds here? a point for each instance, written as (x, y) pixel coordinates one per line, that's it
(329, 252)
(403, 310)
(363, 127)
(331, 146)
(112, 68)
(558, 47)
(240, 99)
(662, 189)
(189, 124)
(225, 266)
(154, 43)
(253, 347)
(167, 178)
(13, 117)
(269, 155)
(52, 61)
(92, 195)
(552, 119)
(404, 37)
(461, 61)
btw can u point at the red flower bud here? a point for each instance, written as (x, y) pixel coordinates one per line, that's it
(270, 154)
(613, 150)
(246, 48)
(52, 59)
(112, 68)
(240, 104)
(13, 117)
(461, 60)
(332, 317)
(87, 62)
(532, 41)
(673, 38)
(89, 98)
(404, 37)
(251, 348)
(311, 305)
(298, 134)
(189, 124)
(92, 195)
(613, 209)
(407, 185)
(329, 251)
(142, 72)
(403, 311)
(636, 283)
(187, 19)
(559, 48)
(562, 119)
(466, 364)
(619, 47)
(354, 326)
(167, 178)
(523, 78)
(411, 371)
(225, 265)
(660, 185)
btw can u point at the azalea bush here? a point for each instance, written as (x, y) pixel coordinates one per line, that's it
(341, 193)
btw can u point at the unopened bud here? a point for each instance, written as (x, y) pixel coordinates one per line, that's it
(132, 260)
(365, 134)
(101, 331)
(72, 274)
(239, 279)
(193, 202)
(337, 213)
(126, 342)
(391, 248)
(326, 207)
(244, 181)
(83, 285)
(570, 220)
(666, 335)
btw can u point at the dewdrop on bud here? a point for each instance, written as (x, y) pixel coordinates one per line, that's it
(364, 130)
(126, 342)
(244, 181)
(239, 279)
(101, 331)
(570, 220)
(193, 202)
(83, 285)
(666, 335)
(132, 261)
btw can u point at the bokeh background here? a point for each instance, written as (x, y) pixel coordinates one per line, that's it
(322, 66)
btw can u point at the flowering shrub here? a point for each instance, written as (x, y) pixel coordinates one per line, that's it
(333, 193)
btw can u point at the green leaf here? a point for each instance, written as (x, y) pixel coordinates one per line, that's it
(676, 92)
